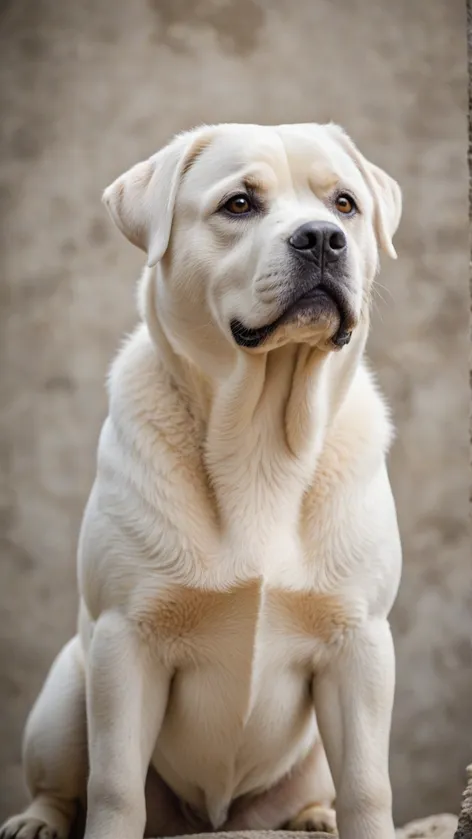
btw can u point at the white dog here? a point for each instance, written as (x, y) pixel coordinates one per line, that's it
(239, 554)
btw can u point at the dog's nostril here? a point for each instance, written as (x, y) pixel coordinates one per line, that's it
(304, 239)
(314, 238)
(337, 241)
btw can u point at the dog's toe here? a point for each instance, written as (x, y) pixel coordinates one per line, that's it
(25, 827)
(315, 818)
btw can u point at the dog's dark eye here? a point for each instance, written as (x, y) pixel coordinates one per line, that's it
(238, 205)
(345, 204)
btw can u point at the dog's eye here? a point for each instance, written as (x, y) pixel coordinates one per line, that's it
(345, 204)
(238, 205)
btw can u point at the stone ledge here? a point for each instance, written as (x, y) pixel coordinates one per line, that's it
(434, 827)
(464, 828)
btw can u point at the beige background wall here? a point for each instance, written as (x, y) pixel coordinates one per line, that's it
(87, 89)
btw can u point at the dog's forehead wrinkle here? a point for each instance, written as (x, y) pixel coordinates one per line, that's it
(315, 147)
(285, 158)
(233, 150)
(260, 177)
(322, 178)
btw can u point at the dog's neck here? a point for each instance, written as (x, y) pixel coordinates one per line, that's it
(263, 417)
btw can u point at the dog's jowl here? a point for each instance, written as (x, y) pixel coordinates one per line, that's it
(239, 555)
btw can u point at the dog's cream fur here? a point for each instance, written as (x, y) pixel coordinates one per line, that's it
(239, 553)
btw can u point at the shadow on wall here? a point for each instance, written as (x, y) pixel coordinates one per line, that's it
(236, 26)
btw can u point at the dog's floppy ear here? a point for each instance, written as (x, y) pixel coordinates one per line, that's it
(386, 193)
(141, 202)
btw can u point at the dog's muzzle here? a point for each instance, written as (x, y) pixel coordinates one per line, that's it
(319, 251)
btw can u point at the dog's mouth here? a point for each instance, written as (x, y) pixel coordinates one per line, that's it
(309, 307)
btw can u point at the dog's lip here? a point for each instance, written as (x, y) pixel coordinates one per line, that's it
(252, 337)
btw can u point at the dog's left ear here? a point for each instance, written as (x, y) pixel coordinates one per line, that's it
(141, 202)
(386, 192)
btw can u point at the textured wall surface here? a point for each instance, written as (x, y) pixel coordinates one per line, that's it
(87, 89)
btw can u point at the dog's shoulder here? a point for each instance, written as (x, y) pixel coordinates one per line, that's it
(145, 407)
(358, 441)
(365, 418)
(136, 380)
(349, 522)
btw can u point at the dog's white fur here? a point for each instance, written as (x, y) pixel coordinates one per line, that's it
(239, 553)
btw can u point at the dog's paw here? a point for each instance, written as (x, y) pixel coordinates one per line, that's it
(314, 818)
(25, 827)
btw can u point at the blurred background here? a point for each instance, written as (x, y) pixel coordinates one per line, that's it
(90, 87)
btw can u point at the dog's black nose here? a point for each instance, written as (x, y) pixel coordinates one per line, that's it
(318, 239)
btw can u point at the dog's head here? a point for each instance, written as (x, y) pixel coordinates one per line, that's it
(263, 235)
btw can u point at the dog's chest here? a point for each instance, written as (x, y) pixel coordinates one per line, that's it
(242, 662)
(231, 644)
(235, 623)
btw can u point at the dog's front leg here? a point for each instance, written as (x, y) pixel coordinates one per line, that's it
(127, 691)
(353, 699)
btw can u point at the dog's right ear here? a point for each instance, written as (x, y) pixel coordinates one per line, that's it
(141, 202)
(385, 192)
